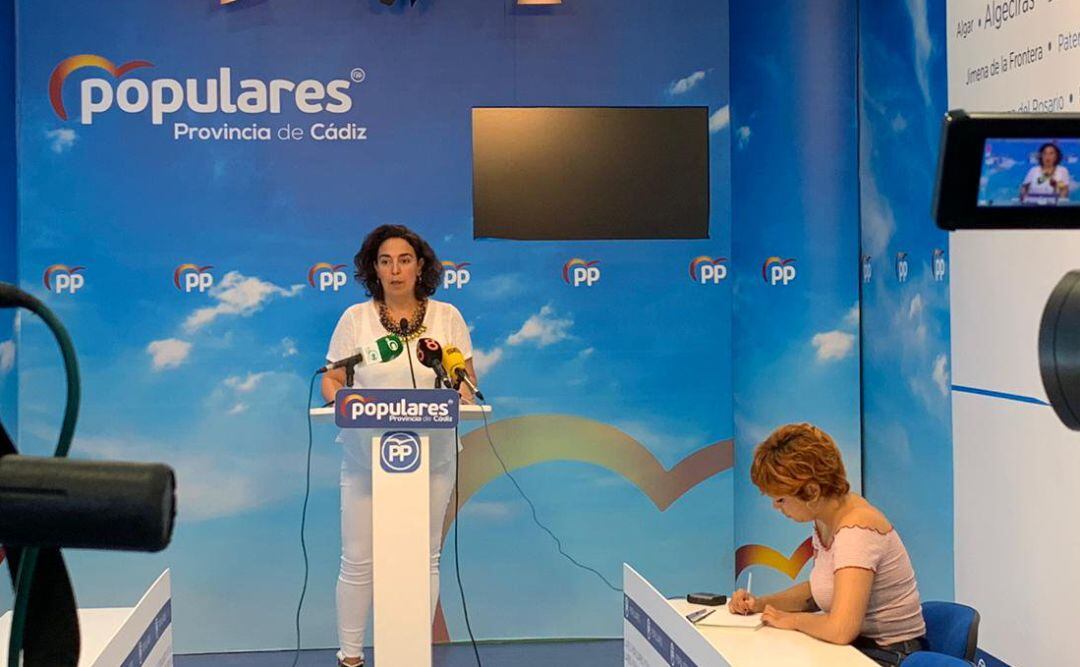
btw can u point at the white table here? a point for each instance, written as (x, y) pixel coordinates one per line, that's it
(657, 634)
(743, 647)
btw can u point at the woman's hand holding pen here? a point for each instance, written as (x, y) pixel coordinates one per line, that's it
(743, 603)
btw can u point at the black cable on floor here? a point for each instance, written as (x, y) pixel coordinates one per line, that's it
(457, 552)
(303, 518)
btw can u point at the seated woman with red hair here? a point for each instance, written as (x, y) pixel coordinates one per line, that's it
(862, 579)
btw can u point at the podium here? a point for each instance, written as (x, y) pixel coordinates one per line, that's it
(407, 429)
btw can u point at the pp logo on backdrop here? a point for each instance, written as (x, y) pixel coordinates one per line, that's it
(326, 276)
(455, 275)
(901, 267)
(60, 278)
(399, 451)
(778, 271)
(578, 272)
(939, 264)
(708, 271)
(193, 278)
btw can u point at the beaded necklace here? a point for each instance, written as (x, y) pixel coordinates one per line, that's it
(416, 326)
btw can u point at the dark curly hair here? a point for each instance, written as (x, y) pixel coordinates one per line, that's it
(364, 261)
(1057, 152)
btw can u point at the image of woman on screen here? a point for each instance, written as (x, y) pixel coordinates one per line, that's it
(862, 577)
(1047, 183)
(400, 272)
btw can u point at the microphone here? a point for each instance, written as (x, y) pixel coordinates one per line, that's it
(430, 353)
(384, 349)
(454, 363)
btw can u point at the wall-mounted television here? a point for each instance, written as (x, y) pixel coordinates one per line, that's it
(566, 173)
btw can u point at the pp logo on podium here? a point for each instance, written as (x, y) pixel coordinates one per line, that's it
(399, 451)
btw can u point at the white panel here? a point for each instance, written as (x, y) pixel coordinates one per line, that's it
(401, 555)
(1016, 466)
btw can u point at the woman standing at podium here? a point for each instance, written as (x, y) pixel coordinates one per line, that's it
(400, 273)
(862, 577)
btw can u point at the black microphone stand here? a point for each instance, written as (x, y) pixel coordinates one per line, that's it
(350, 375)
(404, 324)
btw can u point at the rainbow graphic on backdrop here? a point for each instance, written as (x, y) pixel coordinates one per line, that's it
(69, 65)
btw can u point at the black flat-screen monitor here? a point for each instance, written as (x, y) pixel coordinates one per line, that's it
(566, 173)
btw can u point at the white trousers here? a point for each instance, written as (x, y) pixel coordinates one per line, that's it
(354, 586)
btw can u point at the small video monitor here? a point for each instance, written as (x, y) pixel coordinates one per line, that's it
(1009, 171)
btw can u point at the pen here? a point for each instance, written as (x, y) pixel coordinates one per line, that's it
(696, 616)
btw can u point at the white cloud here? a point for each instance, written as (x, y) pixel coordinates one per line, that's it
(288, 347)
(207, 486)
(61, 139)
(501, 286)
(237, 294)
(168, 353)
(920, 27)
(246, 384)
(878, 222)
(720, 119)
(899, 123)
(852, 317)
(7, 355)
(225, 465)
(834, 344)
(941, 374)
(915, 308)
(586, 353)
(489, 510)
(542, 328)
(743, 136)
(684, 85)
(485, 361)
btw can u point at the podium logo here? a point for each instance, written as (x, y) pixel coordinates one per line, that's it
(778, 271)
(166, 96)
(578, 272)
(193, 278)
(867, 269)
(706, 270)
(60, 278)
(399, 451)
(901, 267)
(326, 276)
(455, 275)
(346, 407)
(939, 264)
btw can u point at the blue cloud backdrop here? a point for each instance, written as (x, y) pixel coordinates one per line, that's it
(795, 199)
(907, 431)
(216, 383)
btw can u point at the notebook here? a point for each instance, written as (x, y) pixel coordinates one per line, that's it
(724, 618)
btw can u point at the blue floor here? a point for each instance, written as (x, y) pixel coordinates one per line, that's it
(597, 653)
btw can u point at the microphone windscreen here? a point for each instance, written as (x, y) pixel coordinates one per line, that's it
(429, 352)
(76, 504)
(453, 360)
(390, 347)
